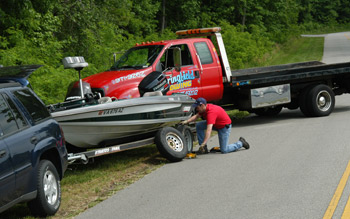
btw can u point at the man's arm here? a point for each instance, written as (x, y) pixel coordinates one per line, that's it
(207, 134)
(193, 118)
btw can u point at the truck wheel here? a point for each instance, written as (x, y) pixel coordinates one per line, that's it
(171, 144)
(321, 100)
(48, 198)
(188, 136)
(304, 108)
(268, 111)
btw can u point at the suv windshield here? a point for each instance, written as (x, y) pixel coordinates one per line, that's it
(138, 57)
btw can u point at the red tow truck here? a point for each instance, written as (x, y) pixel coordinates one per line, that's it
(200, 69)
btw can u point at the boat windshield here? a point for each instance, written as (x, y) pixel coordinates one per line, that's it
(138, 57)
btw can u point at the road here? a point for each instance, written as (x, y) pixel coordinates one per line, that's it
(295, 166)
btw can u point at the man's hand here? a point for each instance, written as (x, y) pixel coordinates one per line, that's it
(203, 149)
(184, 122)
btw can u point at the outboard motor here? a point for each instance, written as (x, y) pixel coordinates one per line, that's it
(74, 93)
(155, 81)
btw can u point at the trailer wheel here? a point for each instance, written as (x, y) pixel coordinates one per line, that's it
(321, 100)
(268, 111)
(188, 136)
(48, 198)
(171, 144)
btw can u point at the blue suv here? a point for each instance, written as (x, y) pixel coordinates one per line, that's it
(33, 156)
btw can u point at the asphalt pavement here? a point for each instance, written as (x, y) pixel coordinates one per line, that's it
(291, 170)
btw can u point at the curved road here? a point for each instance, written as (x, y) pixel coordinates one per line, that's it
(292, 170)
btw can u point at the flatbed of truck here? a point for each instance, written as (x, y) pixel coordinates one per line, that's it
(287, 72)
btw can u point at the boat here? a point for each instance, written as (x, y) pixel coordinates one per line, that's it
(91, 121)
(119, 121)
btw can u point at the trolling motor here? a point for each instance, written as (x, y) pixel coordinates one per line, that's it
(78, 63)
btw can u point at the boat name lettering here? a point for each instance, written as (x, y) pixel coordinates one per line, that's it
(128, 77)
(110, 111)
(183, 76)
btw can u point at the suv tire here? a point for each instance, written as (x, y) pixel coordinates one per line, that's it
(48, 198)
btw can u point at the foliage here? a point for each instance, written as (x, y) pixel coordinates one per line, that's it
(45, 31)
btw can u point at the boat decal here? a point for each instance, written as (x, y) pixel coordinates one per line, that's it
(186, 109)
(110, 111)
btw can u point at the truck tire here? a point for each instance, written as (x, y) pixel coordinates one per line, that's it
(48, 198)
(188, 136)
(304, 108)
(268, 111)
(171, 144)
(320, 100)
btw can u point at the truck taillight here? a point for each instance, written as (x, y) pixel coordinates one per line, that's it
(198, 31)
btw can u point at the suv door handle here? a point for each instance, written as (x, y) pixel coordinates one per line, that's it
(33, 140)
(2, 153)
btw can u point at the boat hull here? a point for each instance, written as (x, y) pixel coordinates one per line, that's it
(106, 124)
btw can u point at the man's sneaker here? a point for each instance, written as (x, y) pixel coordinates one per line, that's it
(202, 150)
(244, 142)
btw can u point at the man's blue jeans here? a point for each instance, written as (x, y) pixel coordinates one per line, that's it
(224, 135)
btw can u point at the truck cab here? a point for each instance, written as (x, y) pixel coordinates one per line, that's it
(200, 73)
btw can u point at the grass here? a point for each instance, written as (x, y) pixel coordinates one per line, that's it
(297, 50)
(86, 185)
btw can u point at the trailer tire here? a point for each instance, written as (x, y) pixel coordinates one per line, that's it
(188, 136)
(321, 100)
(268, 111)
(48, 198)
(171, 144)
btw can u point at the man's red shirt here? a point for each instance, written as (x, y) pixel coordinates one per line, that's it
(216, 115)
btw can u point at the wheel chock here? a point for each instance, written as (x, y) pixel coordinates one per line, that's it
(191, 155)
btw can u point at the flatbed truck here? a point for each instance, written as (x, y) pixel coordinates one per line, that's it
(204, 71)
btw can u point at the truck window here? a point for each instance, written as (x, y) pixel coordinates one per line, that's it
(7, 120)
(203, 52)
(36, 109)
(186, 58)
(138, 57)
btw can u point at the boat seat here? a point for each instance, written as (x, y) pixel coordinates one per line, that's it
(154, 93)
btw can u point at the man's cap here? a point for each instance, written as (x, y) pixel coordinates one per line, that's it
(199, 101)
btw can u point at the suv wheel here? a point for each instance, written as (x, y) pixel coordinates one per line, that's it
(48, 198)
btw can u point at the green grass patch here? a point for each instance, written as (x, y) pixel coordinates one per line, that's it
(296, 50)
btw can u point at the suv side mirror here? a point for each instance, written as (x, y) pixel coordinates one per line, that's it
(177, 58)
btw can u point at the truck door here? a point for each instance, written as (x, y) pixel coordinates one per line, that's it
(188, 80)
(210, 71)
(7, 174)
